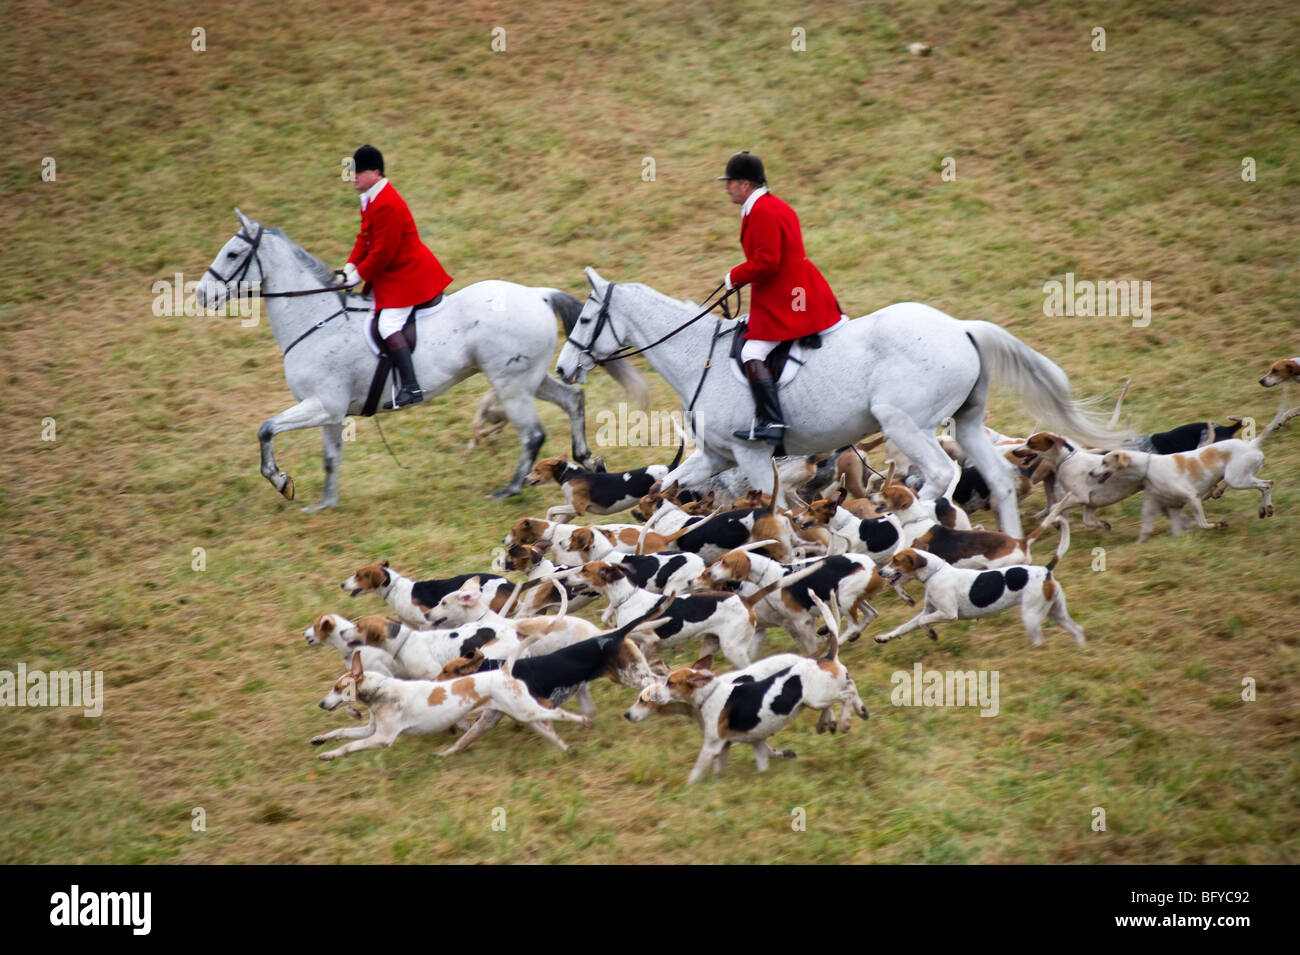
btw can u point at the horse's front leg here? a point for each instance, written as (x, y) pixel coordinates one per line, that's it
(696, 469)
(332, 453)
(574, 402)
(306, 414)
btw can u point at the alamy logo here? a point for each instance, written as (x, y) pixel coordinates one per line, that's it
(1087, 299)
(924, 687)
(634, 428)
(103, 908)
(84, 688)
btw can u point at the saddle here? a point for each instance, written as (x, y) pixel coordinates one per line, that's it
(779, 355)
(384, 367)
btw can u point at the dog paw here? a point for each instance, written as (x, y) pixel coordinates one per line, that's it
(787, 754)
(318, 740)
(1104, 525)
(1266, 511)
(933, 636)
(1221, 525)
(587, 722)
(326, 756)
(862, 712)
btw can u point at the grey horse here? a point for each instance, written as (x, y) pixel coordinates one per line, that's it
(901, 370)
(504, 330)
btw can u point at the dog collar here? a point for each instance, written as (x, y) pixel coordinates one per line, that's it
(403, 643)
(614, 607)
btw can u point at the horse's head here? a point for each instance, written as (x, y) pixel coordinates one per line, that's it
(236, 263)
(592, 337)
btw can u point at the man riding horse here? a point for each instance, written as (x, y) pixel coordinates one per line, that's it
(789, 298)
(389, 256)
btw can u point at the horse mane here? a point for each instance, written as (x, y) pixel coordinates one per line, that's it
(319, 270)
(656, 294)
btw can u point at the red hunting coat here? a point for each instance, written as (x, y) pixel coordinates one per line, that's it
(775, 266)
(390, 256)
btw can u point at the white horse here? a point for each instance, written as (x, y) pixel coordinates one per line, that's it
(902, 371)
(504, 330)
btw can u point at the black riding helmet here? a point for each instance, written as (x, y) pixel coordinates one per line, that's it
(745, 165)
(368, 158)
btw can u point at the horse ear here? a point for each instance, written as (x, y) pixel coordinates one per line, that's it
(594, 279)
(244, 221)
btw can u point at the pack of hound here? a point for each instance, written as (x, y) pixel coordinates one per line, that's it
(718, 569)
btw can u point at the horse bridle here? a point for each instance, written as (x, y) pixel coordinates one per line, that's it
(603, 319)
(248, 262)
(237, 277)
(254, 242)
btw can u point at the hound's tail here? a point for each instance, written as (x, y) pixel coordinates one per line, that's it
(753, 599)
(1042, 385)
(1063, 546)
(567, 309)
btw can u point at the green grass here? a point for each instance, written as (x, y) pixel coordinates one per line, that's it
(526, 165)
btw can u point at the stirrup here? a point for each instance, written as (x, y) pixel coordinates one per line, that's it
(407, 396)
(767, 427)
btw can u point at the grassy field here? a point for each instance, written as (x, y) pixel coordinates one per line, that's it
(527, 165)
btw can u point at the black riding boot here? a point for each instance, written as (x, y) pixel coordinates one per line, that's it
(409, 393)
(768, 424)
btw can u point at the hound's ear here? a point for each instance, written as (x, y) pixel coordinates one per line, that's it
(703, 663)
(384, 564)
(356, 666)
(469, 591)
(659, 669)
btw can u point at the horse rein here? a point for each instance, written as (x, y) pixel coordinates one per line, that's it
(254, 242)
(602, 319)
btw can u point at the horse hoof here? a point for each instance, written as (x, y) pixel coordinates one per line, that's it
(287, 490)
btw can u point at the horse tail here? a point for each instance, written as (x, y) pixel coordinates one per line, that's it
(567, 309)
(1042, 385)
